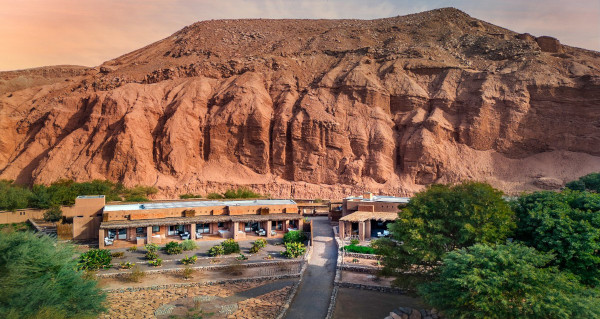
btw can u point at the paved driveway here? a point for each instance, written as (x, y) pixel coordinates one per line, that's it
(312, 298)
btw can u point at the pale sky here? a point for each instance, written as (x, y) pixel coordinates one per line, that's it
(88, 32)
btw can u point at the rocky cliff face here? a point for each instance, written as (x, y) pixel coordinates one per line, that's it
(307, 108)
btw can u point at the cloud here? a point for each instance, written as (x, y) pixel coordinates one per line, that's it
(42, 32)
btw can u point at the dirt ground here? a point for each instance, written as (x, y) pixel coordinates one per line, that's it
(365, 304)
(366, 279)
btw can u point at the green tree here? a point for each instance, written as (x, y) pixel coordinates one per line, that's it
(508, 281)
(566, 224)
(444, 218)
(13, 197)
(53, 214)
(39, 280)
(590, 182)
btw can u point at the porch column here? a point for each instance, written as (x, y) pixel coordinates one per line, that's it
(101, 238)
(368, 229)
(193, 231)
(236, 228)
(361, 231)
(268, 228)
(300, 224)
(341, 230)
(149, 234)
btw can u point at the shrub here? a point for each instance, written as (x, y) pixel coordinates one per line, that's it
(590, 182)
(507, 281)
(151, 247)
(214, 196)
(188, 245)
(216, 250)
(293, 250)
(132, 248)
(257, 245)
(173, 248)
(189, 260)
(241, 192)
(126, 265)
(359, 249)
(241, 257)
(13, 197)
(53, 214)
(94, 259)
(294, 236)
(354, 242)
(566, 224)
(447, 217)
(118, 254)
(39, 280)
(188, 196)
(151, 255)
(136, 274)
(188, 272)
(155, 262)
(230, 246)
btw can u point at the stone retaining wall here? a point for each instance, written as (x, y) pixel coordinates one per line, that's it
(337, 279)
(360, 269)
(204, 268)
(200, 284)
(363, 256)
(370, 287)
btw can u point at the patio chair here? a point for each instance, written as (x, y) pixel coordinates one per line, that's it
(273, 233)
(379, 234)
(198, 235)
(262, 232)
(108, 241)
(185, 236)
(386, 233)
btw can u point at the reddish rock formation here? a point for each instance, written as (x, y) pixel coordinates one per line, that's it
(312, 108)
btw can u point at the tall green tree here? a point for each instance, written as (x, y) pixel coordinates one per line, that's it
(13, 197)
(566, 224)
(508, 281)
(39, 280)
(589, 182)
(444, 218)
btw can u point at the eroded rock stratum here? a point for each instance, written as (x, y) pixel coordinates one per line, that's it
(313, 108)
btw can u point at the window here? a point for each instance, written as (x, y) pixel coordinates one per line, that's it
(155, 229)
(203, 228)
(176, 229)
(140, 231)
(122, 234)
(221, 224)
(112, 233)
(277, 225)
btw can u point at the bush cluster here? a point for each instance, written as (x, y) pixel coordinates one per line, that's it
(359, 249)
(157, 262)
(64, 192)
(230, 246)
(216, 250)
(95, 259)
(294, 249)
(294, 236)
(189, 260)
(173, 248)
(456, 236)
(257, 245)
(188, 245)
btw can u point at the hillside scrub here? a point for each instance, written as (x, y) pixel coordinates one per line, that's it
(64, 192)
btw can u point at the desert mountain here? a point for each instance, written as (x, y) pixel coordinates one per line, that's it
(319, 108)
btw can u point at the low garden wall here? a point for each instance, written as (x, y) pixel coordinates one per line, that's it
(294, 289)
(205, 268)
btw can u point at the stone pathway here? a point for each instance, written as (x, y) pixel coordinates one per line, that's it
(314, 293)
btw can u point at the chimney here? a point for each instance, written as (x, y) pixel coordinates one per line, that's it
(368, 196)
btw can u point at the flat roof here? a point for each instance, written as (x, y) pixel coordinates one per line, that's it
(187, 204)
(381, 198)
(90, 196)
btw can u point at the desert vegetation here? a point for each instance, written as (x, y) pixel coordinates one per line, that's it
(64, 192)
(472, 253)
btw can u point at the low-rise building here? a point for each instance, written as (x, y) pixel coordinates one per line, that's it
(157, 222)
(367, 216)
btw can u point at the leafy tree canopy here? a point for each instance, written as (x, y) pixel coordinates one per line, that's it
(590, 182)
(566, 224)
(39, 280)
(444, 218)
(508, 281)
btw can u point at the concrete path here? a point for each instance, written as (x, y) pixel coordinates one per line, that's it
(314, 293)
